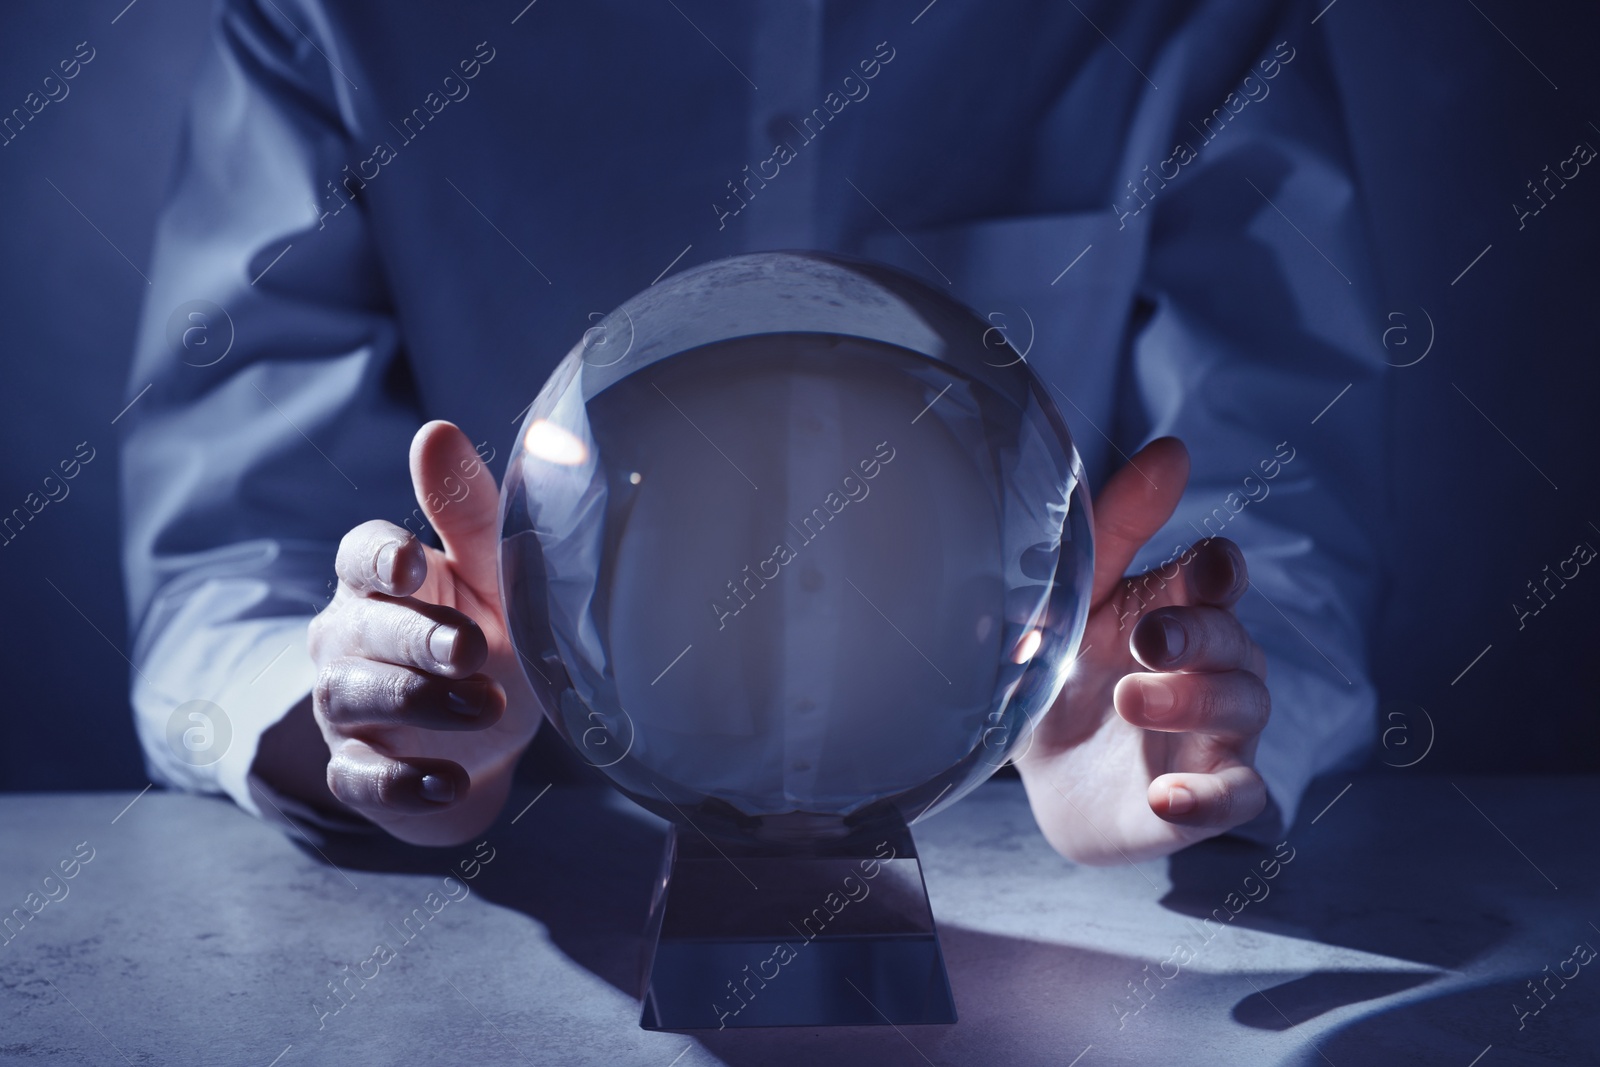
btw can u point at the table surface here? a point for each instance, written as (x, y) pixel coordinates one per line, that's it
(1404, 929)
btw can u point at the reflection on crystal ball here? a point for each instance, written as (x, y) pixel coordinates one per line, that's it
(792, 548)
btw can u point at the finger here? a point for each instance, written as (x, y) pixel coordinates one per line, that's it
(1226, 704)
(1217, 575)
(1192, 639)
(352, 693)
(375, 784)
(1135, 503)
(409, 633)
(380, 557)
(458, 495)
(1219, 802)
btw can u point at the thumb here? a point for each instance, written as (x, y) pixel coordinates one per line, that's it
(459, 497)
(1135, 503)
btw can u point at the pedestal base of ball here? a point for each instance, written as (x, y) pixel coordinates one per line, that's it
(743, 938)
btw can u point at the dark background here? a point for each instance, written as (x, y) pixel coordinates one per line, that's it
(1448, 117)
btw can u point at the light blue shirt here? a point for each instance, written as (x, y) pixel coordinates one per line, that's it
(386, 213)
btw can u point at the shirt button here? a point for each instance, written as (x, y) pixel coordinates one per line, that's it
(800, 765)
(782, 128)
(805, 706)
(810, 579)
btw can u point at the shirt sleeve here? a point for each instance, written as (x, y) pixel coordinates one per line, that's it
(273, 404)
(1258, 344)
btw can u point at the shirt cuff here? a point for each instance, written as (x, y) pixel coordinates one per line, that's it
(258, 700)
(1319, 723)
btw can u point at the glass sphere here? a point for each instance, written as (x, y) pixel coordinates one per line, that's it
(793, 547)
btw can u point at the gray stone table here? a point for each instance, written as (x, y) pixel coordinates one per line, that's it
(1402, 924)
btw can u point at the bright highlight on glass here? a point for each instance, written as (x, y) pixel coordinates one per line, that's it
(804, 561)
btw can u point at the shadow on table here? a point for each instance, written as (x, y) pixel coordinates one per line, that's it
(582, 864)
(574, 858)
(1327, 895)
(1458, 1027)
(1379, 873)
(1410, 872)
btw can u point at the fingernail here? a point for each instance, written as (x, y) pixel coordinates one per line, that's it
(386, 556)
(1217, 573)
(1241, 572)
(442, 643)
(1158, 700)
(1179, 800)
(459, 704)
(1172, 637)
(437, 789)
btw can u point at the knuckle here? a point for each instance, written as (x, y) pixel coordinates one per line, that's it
(356, 559)
(402, 689)
(1240, 645)
(1235, 703)
(1223, 805)
(322, 691)
(347, 543)
(381, 627)
(413, 633)
(1208, 705)
(374, 531)
(360, 783)
(328, 627)
(1219, 638)
(334, 777)
(331, 614)
(351, 546)
(336, 683)
(1260, 703)
(343, 781)
(1215, 631)
(379, 784)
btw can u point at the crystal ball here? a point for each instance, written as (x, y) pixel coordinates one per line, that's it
(794, 546)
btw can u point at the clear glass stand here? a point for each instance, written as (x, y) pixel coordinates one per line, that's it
(842, 936)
